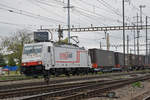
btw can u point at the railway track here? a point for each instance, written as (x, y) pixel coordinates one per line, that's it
(55, 88)
(44, 89)
(86, 91)
(147, 98)
(143, 96)
(20, 78)
(55, 81)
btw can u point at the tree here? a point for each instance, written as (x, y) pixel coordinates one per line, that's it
(64, 41)
(11, 61)
(15, 43)
(2, 60)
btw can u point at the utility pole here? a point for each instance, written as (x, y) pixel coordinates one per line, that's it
(68, 21)
(130, 51)
(123, 8)
(60, 33)
(127, 48)
(134, 39)
(141, 7)
(137, 37)
(68, 18)
(107, 41)
(127, 44)
(134, 43)
(149, 50)
(146, 60)
(41, 27)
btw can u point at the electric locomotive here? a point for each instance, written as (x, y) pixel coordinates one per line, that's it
(48, 58)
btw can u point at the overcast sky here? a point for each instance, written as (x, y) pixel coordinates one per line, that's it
(31, 14)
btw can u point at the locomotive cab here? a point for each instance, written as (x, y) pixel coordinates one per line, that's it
(34, 58)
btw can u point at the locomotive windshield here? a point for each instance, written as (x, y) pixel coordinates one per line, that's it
(32, 49)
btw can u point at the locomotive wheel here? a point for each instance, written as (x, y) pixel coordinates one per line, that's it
(46, 77)
(68, 74)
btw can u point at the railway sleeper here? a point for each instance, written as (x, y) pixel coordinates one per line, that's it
(94, 93)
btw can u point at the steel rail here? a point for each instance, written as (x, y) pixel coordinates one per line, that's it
(97, 92)
(147, 98)
(55, 81)
(141, 96)
(79, 92)
(45, 88)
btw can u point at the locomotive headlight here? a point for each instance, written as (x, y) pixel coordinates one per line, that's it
(24, 64)
(40, 62)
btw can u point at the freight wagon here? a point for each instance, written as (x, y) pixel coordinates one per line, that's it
(114, 61)
(133, 61)
(148, 65)
(141, 62)
(119, 60)
(105, 60)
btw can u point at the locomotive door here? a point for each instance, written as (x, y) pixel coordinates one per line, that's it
(49, 58)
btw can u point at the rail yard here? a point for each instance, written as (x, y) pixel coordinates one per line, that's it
(73, 88)
(74, 50)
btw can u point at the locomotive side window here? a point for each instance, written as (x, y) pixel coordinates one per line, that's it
(37, 49)
(49, 49)
(32, 49)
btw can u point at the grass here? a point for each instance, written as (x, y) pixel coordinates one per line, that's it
(13, 75)
(137, 84)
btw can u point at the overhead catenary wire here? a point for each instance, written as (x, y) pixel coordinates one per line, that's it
(8, 23)
(93, 18)
(76, 11)
(21, 25)
(39, 4)
(105, 4)
(90, 12)
(87, 15)
(52, 11)
(93, 5)
(26, 13)
(48, 4)
(114, 10)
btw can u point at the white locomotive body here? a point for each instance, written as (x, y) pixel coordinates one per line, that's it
(51, 58)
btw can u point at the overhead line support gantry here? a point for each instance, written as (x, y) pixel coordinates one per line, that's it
(108, 28)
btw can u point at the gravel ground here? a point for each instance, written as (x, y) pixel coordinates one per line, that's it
(57, 78)
(35, 80)
(128, 92)
(20, 82)
(41, 80)
(18, 98)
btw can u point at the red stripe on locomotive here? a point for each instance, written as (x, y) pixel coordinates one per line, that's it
(35, 63)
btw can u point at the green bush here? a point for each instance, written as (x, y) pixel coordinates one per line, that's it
(137, 84)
